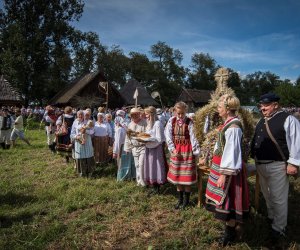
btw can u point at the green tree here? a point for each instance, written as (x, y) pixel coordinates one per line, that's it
(169, 74)
(141, 68)
(203, 70)
(39, 46)
(289, 93)
(257, 84)
(114, 64)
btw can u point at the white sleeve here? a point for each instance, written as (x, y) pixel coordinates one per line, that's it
(194, 141)
(157, 133)
(231, 161)
(292, 131)
(73, 130)
(168, 135)
(59, 120)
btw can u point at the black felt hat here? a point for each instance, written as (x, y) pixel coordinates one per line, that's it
(269, 97)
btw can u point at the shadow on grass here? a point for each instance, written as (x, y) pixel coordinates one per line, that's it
(9, 220)
(105, 170)
(15, 200)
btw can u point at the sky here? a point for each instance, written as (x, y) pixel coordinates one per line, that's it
(244, 35)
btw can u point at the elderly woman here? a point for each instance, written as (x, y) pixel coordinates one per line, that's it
(83, 153)
(102, 138)
(64, 125)
(155, 161)
(227, 191)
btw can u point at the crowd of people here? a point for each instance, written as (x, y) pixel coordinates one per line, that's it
(138, 141)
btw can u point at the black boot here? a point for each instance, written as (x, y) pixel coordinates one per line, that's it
(186, 200)
(2, 145)
(7, 146)
(229, 236)
(180, 200)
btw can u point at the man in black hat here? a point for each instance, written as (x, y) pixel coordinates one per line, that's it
(276, 150)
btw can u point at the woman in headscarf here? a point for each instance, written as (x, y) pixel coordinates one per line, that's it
(102, 138)
(64, 125)
(125, 161)
(83, 153)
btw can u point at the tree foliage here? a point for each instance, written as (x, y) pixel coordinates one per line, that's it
(41, 52)
(40, 47)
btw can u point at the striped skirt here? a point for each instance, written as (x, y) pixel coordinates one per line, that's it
(155, 166)
(231, 201)
(182, 167)
(101, 148)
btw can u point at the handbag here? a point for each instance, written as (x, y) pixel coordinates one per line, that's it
(62, 129)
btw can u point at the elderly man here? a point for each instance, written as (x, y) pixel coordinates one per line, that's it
(137, 124)
(276, 150)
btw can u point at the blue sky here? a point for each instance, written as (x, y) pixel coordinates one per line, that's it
(245, 35)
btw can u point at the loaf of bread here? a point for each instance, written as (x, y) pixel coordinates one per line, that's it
(143, 135)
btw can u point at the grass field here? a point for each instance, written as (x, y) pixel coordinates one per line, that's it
(44, 205)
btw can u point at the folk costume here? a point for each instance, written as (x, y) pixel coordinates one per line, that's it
(101, 140)
(83, 153)
(137, 148)
(6, 125)
(230, 202)
(155, 163)
(50, 127)
(180, 136)
(272, 168)
(125, 161)
(63, 140)
(18, 130)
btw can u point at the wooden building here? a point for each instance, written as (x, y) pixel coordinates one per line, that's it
(194, 98)
(143, 99)
(90, 90)
(9, 96)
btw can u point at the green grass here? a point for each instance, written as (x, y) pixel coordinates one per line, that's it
(44, 205)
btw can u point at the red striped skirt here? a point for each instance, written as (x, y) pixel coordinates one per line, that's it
(231, 201)
(182, 167)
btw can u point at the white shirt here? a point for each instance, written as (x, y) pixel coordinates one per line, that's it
(232, 153)
(157, 132)
(102, 129)
(169, 137)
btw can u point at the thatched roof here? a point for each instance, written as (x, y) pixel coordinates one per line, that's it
(144, 98)
(197, 96)
(8, 94)
(67, 93)
(87, 86)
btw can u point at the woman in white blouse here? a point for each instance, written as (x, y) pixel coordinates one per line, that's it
(155, 163)
(102, 139)
(227, 190)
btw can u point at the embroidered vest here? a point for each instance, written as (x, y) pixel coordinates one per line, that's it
(181, 133)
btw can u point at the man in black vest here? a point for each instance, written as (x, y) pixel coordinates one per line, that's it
(275, 162)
